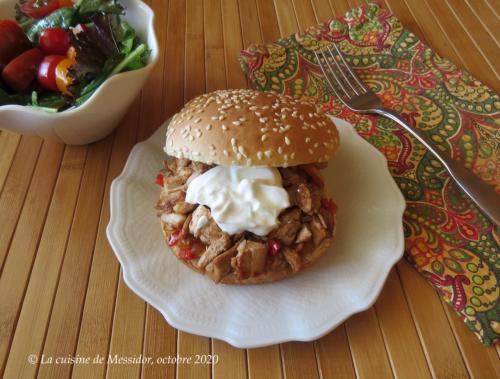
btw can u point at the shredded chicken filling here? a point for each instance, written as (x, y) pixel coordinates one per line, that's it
(190, 227)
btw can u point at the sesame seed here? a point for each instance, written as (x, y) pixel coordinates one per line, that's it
(263, 120)
(211, 147)
(233, 141)
(280, 150)
(275, 129)
(214, 118)
(238, 156)
(224, 127)
(258, 114)
(226, 154)
(221, 117)
(197, 120)
(308, 139)
(263, 130)
(292, 155)
(316, 144)
(236, 123)
(191, 138)
(259, 155)
(241, 150)
(310, 151)
(263, 138)
(209, 127)
(287, 140)
(268, 153)
(189, 117)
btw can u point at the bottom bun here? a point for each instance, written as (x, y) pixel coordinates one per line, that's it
(307, 259)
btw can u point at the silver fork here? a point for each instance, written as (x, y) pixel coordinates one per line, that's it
(347, 86)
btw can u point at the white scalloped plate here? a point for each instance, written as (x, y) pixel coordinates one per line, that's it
(368, 242)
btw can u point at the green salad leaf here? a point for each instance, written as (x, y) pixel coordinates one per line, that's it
(48, 101)
(87, 8)
(90, 88)
(61, 18)
(107, 46)
(14, 98)
(24, 21)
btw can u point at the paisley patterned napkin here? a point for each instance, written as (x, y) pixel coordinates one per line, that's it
(448, 239)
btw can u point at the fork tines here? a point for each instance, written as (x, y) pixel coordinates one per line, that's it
(340, 76)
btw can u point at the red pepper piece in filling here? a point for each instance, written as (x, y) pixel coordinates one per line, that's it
(159, 180)
(174, 238)
(329, 205)
(187, 255)
(274, 247)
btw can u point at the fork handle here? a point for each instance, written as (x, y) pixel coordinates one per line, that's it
(480, 192)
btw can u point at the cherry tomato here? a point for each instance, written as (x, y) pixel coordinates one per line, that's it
(65, 3)
(47, 71)
(54, 41)
(13, 41)
(63, 80)
(21, 71)
(39, 8)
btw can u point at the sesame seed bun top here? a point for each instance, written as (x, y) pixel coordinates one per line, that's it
(251, 128)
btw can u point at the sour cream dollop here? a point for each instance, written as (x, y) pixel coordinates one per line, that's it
(241, 198)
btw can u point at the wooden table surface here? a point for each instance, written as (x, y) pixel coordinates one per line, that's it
(61, 291)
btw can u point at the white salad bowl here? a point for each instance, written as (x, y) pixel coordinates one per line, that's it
(100, 114)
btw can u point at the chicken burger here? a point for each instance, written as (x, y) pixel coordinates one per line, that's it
(243, 199)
